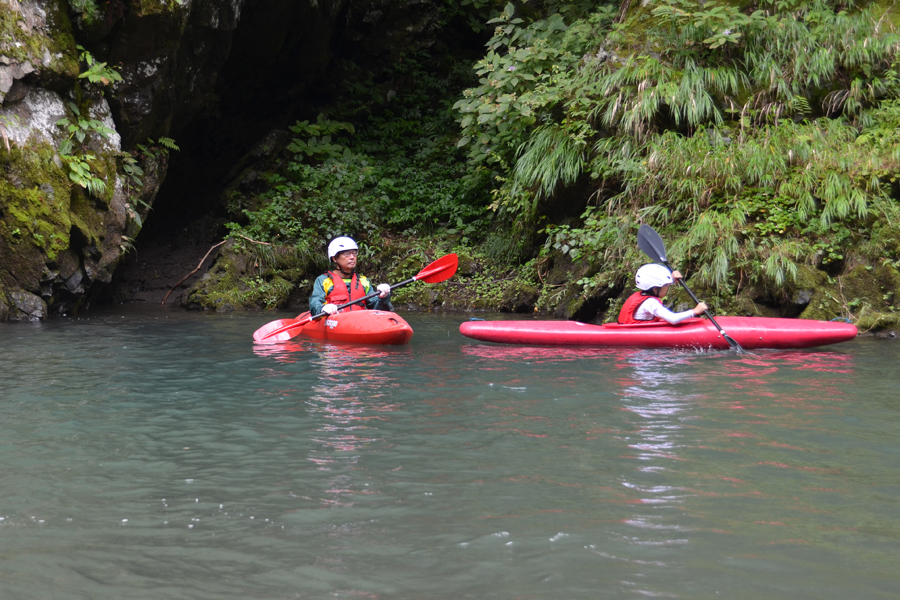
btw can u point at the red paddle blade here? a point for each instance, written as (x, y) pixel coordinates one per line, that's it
(440, 270)
(284, 329)
(278, 331)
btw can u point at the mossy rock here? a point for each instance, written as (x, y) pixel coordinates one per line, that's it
(865, 286)
(36, 217)
(518, 296)
(236, 282)
(35, 199)
(571, 300)
(467, 265)
(26, 307)
(560, 269)
(146, 8)
(43, 40)
(743, 305)
(4, 309)
(418, 297)
(865, 294)
(405, 268)
(878, 322)
(824, 307)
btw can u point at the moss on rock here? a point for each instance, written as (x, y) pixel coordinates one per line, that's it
(238, 281)
(34, 196)
(41, 36)
(159, 7)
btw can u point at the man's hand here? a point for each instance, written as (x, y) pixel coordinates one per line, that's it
(329, 309)
(384, 290)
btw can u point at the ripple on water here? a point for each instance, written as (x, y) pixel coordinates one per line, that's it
(149, 452)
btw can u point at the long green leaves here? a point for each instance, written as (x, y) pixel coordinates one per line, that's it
(550, 157)
(755, 134)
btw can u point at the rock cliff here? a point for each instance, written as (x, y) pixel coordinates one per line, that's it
(92, 92)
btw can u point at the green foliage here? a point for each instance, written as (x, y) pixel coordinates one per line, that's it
(742, 208)
(524, 77)
(159, 148)
(80, 128)
(759, 138)
(80, 172)
(517, 76)
(97, 72)
(550, 157)
(721, 23)
(268, 293)
(133, 174)
(394, 168)
(88, 9)
(319, 144)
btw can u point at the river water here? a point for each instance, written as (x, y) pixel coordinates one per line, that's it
(158, 454)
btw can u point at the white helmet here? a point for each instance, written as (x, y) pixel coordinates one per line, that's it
(339, 244)
(651, 276)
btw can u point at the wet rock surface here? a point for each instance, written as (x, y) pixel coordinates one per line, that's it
(216, 75)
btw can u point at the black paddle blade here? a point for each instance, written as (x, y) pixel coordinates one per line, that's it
(651, 244)
(733, 343)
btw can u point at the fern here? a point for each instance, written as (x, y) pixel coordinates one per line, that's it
(550, 157)
(167, 143)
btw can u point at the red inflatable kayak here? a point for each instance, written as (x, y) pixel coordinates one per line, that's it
(749, 332)
(356, 326)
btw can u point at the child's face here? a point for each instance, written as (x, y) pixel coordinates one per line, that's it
(664, 290)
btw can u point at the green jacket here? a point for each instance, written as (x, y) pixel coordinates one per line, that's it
(323, 285)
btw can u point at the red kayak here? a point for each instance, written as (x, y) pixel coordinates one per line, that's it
(355, 326)
(749, 332)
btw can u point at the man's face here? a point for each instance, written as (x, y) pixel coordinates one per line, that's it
(346, 260)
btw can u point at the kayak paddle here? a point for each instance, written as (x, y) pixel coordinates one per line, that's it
(652, 245)
(440, 270)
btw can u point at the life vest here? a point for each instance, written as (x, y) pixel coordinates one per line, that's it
(338, 292)
(631, 306)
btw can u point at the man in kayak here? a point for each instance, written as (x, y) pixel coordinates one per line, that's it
(646, 305)
(342, 285)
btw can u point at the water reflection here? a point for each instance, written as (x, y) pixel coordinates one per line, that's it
(542, 354)
(472, 470)
(744, 429)
(350, 395)
(653, 391)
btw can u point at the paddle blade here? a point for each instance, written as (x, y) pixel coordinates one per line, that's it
(440, 270)
(279, 331)
(651, 244)
(733, 343)
(271, 329)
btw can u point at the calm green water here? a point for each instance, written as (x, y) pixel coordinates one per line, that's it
(155, 455)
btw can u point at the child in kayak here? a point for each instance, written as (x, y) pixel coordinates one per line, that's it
(645, 306)
(342, 284)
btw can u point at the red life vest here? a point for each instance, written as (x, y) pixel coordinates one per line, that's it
(631, 306)
(338, 292)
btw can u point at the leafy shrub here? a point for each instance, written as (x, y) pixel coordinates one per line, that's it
(759, 139)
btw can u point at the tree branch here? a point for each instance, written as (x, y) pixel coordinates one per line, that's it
(183, 279)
